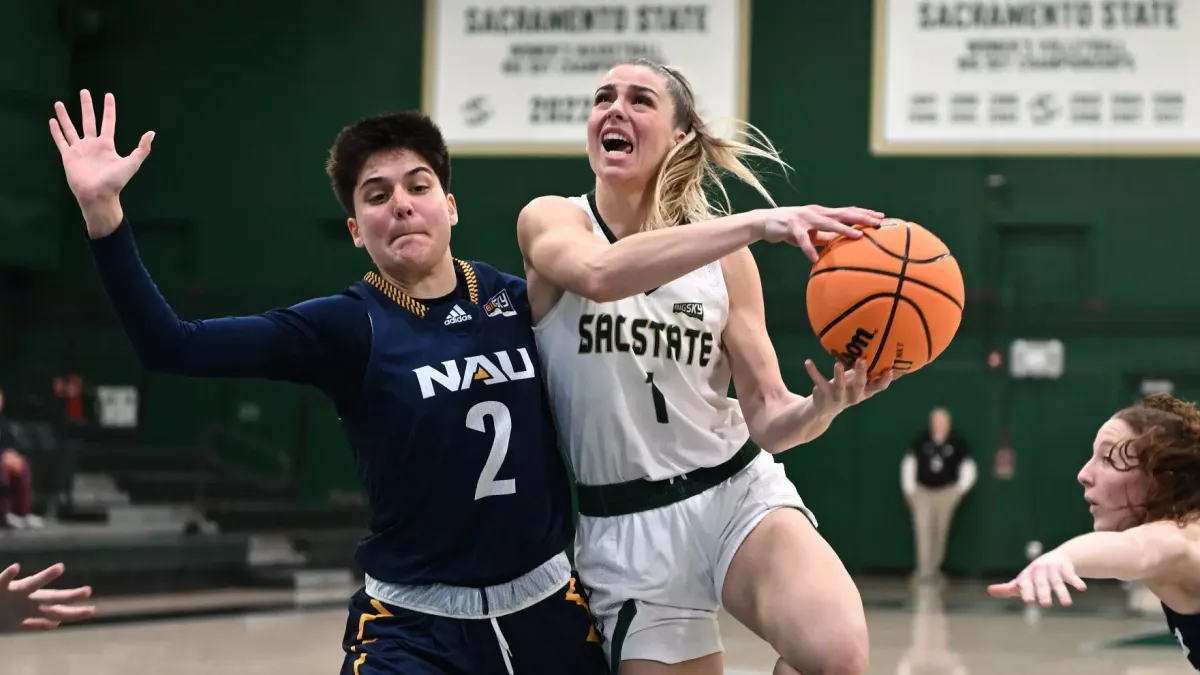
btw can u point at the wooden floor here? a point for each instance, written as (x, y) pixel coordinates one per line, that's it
(958, 631)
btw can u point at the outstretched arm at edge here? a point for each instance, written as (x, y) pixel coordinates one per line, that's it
(1140, 552)
(1162, 554)
(323, 342)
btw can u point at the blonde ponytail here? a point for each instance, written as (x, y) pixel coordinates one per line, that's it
(699, 160)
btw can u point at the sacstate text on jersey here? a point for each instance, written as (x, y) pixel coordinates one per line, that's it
(604, 333)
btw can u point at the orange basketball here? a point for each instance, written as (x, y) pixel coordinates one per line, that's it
(893, 297)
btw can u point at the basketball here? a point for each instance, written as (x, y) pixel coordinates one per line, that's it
(893, 297)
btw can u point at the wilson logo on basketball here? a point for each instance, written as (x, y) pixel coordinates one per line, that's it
(855, 348)
(899, 363)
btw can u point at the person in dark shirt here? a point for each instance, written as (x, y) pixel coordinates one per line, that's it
(936, 472)
(431, 364)
(1142, 486)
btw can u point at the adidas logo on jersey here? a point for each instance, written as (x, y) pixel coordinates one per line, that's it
(456, 315)
(499, 305)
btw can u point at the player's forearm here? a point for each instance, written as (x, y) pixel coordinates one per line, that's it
(647, 260)
(254, 346)
(148, 320)
(102, 217)
(1116, 555)
(790, 421)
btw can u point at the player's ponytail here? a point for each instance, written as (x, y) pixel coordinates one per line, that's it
(699, 160)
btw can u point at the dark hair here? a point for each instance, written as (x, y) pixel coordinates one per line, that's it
(1165, 450)
(358, 142)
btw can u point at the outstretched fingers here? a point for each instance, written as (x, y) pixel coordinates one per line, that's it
(1008, 589)
(32, 583)
(64, 121)
(87, 113)
(142, 150)
(854, 215)
(58, 613)
(8, 575)
(108, 126)
(61, 594)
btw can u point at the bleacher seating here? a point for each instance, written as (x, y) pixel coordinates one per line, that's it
(132, 518)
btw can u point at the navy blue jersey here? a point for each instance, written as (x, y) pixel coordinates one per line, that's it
(1186, 629)
(441, 401)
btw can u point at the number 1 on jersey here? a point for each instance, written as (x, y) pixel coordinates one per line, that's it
(660, 402)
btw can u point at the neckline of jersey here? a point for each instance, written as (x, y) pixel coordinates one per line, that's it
(419, 307)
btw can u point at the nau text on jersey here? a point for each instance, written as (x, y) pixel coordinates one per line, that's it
(606, 333)
(460, 374)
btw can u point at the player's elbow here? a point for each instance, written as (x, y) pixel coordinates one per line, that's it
(599, 283)
(158, 359)
(166, 353)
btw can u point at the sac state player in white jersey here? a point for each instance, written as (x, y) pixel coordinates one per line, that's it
(641, 322)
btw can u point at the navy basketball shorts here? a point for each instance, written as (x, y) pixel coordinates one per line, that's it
(557, 635)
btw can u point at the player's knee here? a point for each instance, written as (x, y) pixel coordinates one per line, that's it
(839, 648)
(847, 655)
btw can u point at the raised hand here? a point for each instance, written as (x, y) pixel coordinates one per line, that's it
(25, 603)
(843, 390)
(807, 227)
(1046, 577)
(95, 172)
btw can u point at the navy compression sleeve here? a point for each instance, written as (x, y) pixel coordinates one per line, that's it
(323, 342)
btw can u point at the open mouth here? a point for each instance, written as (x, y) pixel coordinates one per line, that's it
(616, 144)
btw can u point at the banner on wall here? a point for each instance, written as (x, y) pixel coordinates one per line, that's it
(1020, 77)
(519, 77)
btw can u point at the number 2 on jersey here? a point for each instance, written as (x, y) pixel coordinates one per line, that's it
(660, 402)
(488, 486)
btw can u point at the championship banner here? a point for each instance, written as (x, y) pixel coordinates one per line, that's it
(1016, 77)
(518, 78)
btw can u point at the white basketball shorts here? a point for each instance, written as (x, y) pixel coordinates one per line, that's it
(655, 577)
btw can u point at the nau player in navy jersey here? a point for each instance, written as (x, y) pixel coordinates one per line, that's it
(1142, 484)
(431, 364)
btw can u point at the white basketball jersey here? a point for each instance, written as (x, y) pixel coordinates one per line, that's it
(640, 386)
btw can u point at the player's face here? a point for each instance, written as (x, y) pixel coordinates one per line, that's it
(401, 214)
(1111, 489)
(632, 126)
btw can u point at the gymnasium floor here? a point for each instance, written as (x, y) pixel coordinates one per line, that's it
(958, 631)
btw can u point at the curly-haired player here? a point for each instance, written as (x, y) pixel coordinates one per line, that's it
(1142, 483)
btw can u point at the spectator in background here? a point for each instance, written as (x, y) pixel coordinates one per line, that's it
(935, 474)
(16, 480)
(70, 390)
